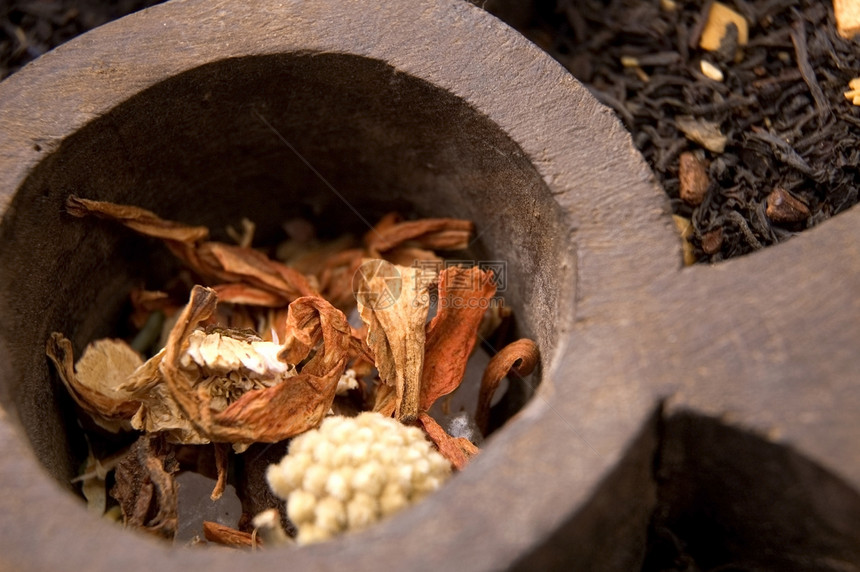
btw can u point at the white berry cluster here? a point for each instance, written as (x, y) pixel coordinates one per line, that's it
(353, 471)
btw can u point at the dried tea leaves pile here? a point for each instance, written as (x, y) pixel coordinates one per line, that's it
(261, 351)
(759, 92)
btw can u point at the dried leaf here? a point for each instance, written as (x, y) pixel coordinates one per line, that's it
(221, 534)
(395, 334)
(431, 233)
(521, 357)
(464, 295)
(458, 450)
(145, 486)
(95, 382)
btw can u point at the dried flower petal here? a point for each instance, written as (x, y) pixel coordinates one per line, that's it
(395, 334)
(430, 233)
(521, 357)
(138, 219)
(464, 295)
(95, 382)
(458, 450)
(215, 261)
(145, 486)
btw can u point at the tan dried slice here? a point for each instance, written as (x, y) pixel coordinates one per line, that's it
(458, 450)
(138, 219)
(430, 233)
(95, 382)
(464, 294)
(145, 487)
(519, 357)
(395, 334)
(222, 534)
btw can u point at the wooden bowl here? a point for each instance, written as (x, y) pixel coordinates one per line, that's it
(663, 388)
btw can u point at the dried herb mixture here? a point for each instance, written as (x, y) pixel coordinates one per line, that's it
(260, 350)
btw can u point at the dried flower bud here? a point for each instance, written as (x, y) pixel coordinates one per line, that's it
(353, 471)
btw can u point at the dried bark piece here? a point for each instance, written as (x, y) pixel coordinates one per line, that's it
(705, 133)
(145, 487)
(519, 357)
(464, 295)
(458, 450)
(95, 383)
(395, 334)
(431, 233)
(693, 175)
(221, 534)
(712, 241)
(783, 207)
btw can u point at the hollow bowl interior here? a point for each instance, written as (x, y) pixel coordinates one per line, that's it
(338, 139)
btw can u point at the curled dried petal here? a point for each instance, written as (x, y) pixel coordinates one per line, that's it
(521, 357)
(96, 382)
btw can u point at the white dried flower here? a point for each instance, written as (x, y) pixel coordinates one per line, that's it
(353, 471)
(346, 382)
(225, 354)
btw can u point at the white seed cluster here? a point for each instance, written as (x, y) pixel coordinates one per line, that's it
(353, 471)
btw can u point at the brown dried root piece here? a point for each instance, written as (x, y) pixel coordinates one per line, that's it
(226, 536)
(95, 382)
(520, 357)
(145, 486)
